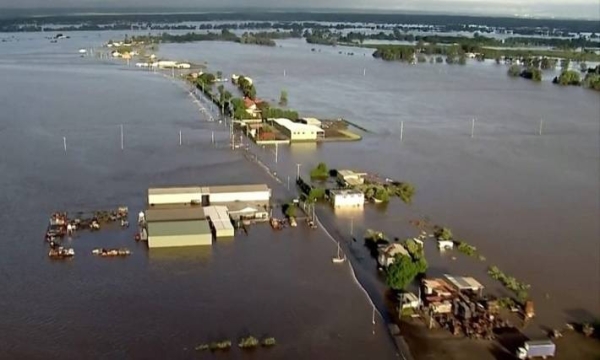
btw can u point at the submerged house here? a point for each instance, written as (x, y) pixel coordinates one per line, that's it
(387, 253)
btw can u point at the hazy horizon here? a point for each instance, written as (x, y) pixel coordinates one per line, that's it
(583, 9)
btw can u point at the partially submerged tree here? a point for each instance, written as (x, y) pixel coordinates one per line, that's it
(283, 98)
(403, 271)
(320, 171)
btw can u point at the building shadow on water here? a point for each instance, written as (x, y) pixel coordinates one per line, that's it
(188, 253)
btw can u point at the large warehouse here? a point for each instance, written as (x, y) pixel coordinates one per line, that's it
(177, 195)
(177, 216)
(207, 195)
(172, 226)
(298, 131)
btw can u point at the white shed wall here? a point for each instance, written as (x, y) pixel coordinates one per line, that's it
(240, 196)
(183, 198)
(357, 200)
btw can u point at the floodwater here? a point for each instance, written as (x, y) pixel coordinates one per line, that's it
(530, 203)
(156, 304)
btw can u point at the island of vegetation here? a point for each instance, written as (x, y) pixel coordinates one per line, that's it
(258, 38)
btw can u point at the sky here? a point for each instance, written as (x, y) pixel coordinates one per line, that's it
(537, 8)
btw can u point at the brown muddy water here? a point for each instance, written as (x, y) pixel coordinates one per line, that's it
(153, 304)
(529, 203)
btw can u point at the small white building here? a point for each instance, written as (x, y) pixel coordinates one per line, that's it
(387, 253)
(445, 244)
(346, 198)
(298, 131)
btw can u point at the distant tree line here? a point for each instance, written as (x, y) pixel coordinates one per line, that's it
(437, 23)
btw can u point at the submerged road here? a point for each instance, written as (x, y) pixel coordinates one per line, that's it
(372, 288)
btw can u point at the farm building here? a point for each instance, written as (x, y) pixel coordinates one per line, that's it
(347, 198)
(173, 226)
(298, 131)
(241, 193)
(208, 195)
(220, 221)
(176, 195)
(387, 253)
(350, 178)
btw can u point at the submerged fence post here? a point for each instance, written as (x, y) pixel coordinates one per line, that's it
(401, 130)
(212, 137)
(473, 127)
(121, 136)
(65, 143)
(179, 137)
(541, 126)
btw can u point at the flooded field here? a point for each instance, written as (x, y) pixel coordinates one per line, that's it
(529, 203)
(153, 304)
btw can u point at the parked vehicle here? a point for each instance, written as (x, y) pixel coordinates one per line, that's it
(537, 349)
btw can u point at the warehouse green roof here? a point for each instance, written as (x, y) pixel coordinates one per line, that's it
(174, 228)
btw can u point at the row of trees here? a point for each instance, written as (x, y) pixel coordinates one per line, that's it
(259, 38)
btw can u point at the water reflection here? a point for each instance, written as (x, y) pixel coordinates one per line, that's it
(303, 148)
(201, 254)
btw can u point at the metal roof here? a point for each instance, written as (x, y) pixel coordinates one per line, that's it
(345, 173)
(294, 126)
(237, 188)
(171, 213)
(345, 192)
(175, 228)
(464, 283)
(174, 190)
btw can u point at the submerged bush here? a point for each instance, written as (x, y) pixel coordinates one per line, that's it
(270, 341)
(220, 345)
(248, 342)
(202, 347)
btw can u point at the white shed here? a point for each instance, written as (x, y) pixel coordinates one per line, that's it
(347, 198)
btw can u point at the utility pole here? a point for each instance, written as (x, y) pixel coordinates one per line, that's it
(231, 135)
(364, 71)
(541, 126)
(179, 137)
(401, 130)
(473, 128)
(283, 72)
(121, 136)
(212, 137)
(298, 171)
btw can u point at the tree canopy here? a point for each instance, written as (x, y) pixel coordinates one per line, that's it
(443, 233)
(320, 171)
(403, 271)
